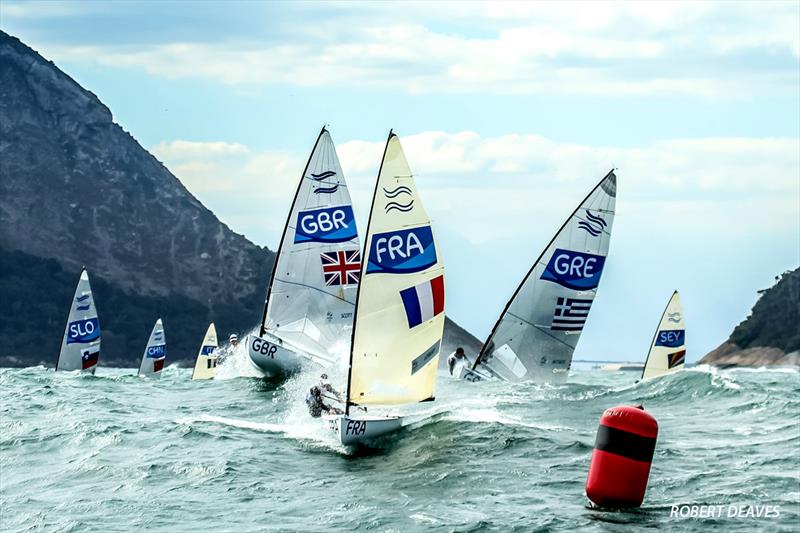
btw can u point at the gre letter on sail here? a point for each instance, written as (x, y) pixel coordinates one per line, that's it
(155, 354)
(537, 332)
(308, 312)
(668, 350)
(205, 367)
(80, 347)
(399, 319)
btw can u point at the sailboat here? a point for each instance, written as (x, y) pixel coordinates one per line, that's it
(668, 349)
(308, 313)
(155, 353)
(206, 364)
(80, 347)
(536, 334)
(399, 314)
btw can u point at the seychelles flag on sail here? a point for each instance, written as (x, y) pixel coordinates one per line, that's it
(424, 301)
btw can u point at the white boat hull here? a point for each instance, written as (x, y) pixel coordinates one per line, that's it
(357, 429)
(467, 374)
(271, 359)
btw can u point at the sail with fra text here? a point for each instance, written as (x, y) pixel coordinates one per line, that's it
(400, 310)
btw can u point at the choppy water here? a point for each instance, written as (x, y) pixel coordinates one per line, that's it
(119, 453)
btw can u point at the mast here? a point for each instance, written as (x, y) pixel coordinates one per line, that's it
(530, 271)
(658, 327)
(364, 262)
(262, 329)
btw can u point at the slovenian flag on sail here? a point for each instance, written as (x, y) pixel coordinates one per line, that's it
(90, 357)
(424, 301)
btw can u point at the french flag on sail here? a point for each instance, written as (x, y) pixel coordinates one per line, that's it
(424, 301)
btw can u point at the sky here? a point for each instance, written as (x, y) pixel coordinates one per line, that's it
(509, 114)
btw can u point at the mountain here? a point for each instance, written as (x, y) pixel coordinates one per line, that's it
(76, 190)
(771, 334)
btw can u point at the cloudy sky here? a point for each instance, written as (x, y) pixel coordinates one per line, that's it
(509, 114)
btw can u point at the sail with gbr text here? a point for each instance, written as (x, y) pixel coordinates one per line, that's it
(311, 294)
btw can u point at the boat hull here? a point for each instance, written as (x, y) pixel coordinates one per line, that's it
(271, 359)
(358, 429)
(467, 374)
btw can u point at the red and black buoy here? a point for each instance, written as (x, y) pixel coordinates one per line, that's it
(623, 452)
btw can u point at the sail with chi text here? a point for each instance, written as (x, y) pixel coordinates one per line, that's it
(155, 354)
(538, 330)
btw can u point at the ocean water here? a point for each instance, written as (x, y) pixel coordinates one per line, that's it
(114, 452)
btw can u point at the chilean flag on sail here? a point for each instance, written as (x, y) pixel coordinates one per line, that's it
(424, 301)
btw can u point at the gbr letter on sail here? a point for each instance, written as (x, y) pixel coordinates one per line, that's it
(311, 293)
(537, 332)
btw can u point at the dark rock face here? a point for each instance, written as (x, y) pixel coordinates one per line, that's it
(771, 334)
(76, 189)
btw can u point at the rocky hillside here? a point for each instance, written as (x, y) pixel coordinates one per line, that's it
(771, 334)
(76, 189)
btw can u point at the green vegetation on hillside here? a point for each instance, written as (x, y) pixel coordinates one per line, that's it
(775, 319)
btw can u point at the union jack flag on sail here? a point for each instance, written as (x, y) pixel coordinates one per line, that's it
(342, 267)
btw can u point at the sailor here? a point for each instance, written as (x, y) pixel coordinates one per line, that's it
(457, 357)
(316, 405)
(233, 340)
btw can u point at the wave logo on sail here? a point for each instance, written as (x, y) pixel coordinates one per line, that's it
(671, 338)
(674, 317)
(327, 190)
(154, 352)
(396, 203)
(322, 175)
(328, 224)
(83, 303)
(578, 271)
(82, 331)
(594, 224)
(402, 252)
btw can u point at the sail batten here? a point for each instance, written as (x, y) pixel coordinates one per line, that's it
(399, 315)
(667, 352)
(537, 331)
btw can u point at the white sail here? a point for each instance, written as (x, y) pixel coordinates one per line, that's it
(668, 350)
(311, 295)
(536, 334)
(205, 367)
(80, 347)
(400, 306)
(156, 352)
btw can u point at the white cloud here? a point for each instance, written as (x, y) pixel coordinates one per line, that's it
(482, 187)
(722, 50)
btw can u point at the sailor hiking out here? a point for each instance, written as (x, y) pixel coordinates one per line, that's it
(315, 399)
